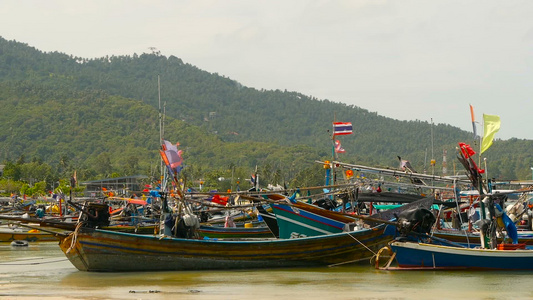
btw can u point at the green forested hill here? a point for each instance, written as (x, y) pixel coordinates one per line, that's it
(100, 116)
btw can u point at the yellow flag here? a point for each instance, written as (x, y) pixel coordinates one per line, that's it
(491, 126)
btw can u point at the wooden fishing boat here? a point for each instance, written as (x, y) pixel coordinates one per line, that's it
(411, 255)
(48, 234)
(429, 254)
(32, 235)
(269, 218)
(101, 250)
(239, 218)
(45, 230)
(300, 219)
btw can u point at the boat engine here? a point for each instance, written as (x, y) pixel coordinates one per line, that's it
(95, 215)
(419, 220)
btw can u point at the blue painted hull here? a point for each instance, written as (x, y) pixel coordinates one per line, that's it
(416, 255)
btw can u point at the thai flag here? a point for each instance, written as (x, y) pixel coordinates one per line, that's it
(342, 128)
(338, 147)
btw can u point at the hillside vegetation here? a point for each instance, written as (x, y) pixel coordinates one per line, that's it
(100, 117)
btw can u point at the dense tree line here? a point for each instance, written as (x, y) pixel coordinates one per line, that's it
(101, 117)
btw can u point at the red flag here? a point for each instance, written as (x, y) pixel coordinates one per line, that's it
(468, 152)
(219, 200)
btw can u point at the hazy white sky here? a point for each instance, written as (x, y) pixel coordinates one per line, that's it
(403, 59)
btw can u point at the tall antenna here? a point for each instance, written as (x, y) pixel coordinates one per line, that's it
(160, 116)
(425, 161)
(332, 174)
(432, 154)
(163, 122)
(160, 124)
(444, 163)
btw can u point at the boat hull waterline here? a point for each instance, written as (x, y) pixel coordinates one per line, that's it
(100, 250)
(413, 255)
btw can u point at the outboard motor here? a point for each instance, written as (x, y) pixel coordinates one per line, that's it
(325, 203)
(419, 220)
(95, 215)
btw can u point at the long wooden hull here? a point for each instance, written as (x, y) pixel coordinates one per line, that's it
(419, 255)
(302, 219)
(100, 250)
(56, 225)
(9, 235)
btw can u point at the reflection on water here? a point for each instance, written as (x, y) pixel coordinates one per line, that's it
(42, 271)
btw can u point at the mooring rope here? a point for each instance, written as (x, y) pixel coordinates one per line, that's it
(353, 237)
(351, 261)
(74, 237)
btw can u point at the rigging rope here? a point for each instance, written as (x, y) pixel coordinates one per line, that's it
(74, 237)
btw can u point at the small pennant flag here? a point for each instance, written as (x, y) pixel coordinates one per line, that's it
(473, 122)
(338, 147)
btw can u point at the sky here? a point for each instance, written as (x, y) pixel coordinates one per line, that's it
(407, 60)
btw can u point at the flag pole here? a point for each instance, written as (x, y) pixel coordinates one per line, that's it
(339, 128)
(333, 149)
(161, 170)
(481, 142)
(481, 203)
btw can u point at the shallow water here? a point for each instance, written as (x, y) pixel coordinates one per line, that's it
(41, 271)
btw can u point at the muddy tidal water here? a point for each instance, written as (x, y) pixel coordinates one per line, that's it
(41, 271)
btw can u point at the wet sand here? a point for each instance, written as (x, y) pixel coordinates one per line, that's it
(41, 271)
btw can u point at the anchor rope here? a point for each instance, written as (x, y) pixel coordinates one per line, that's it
(74, 237)
(353, 237)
